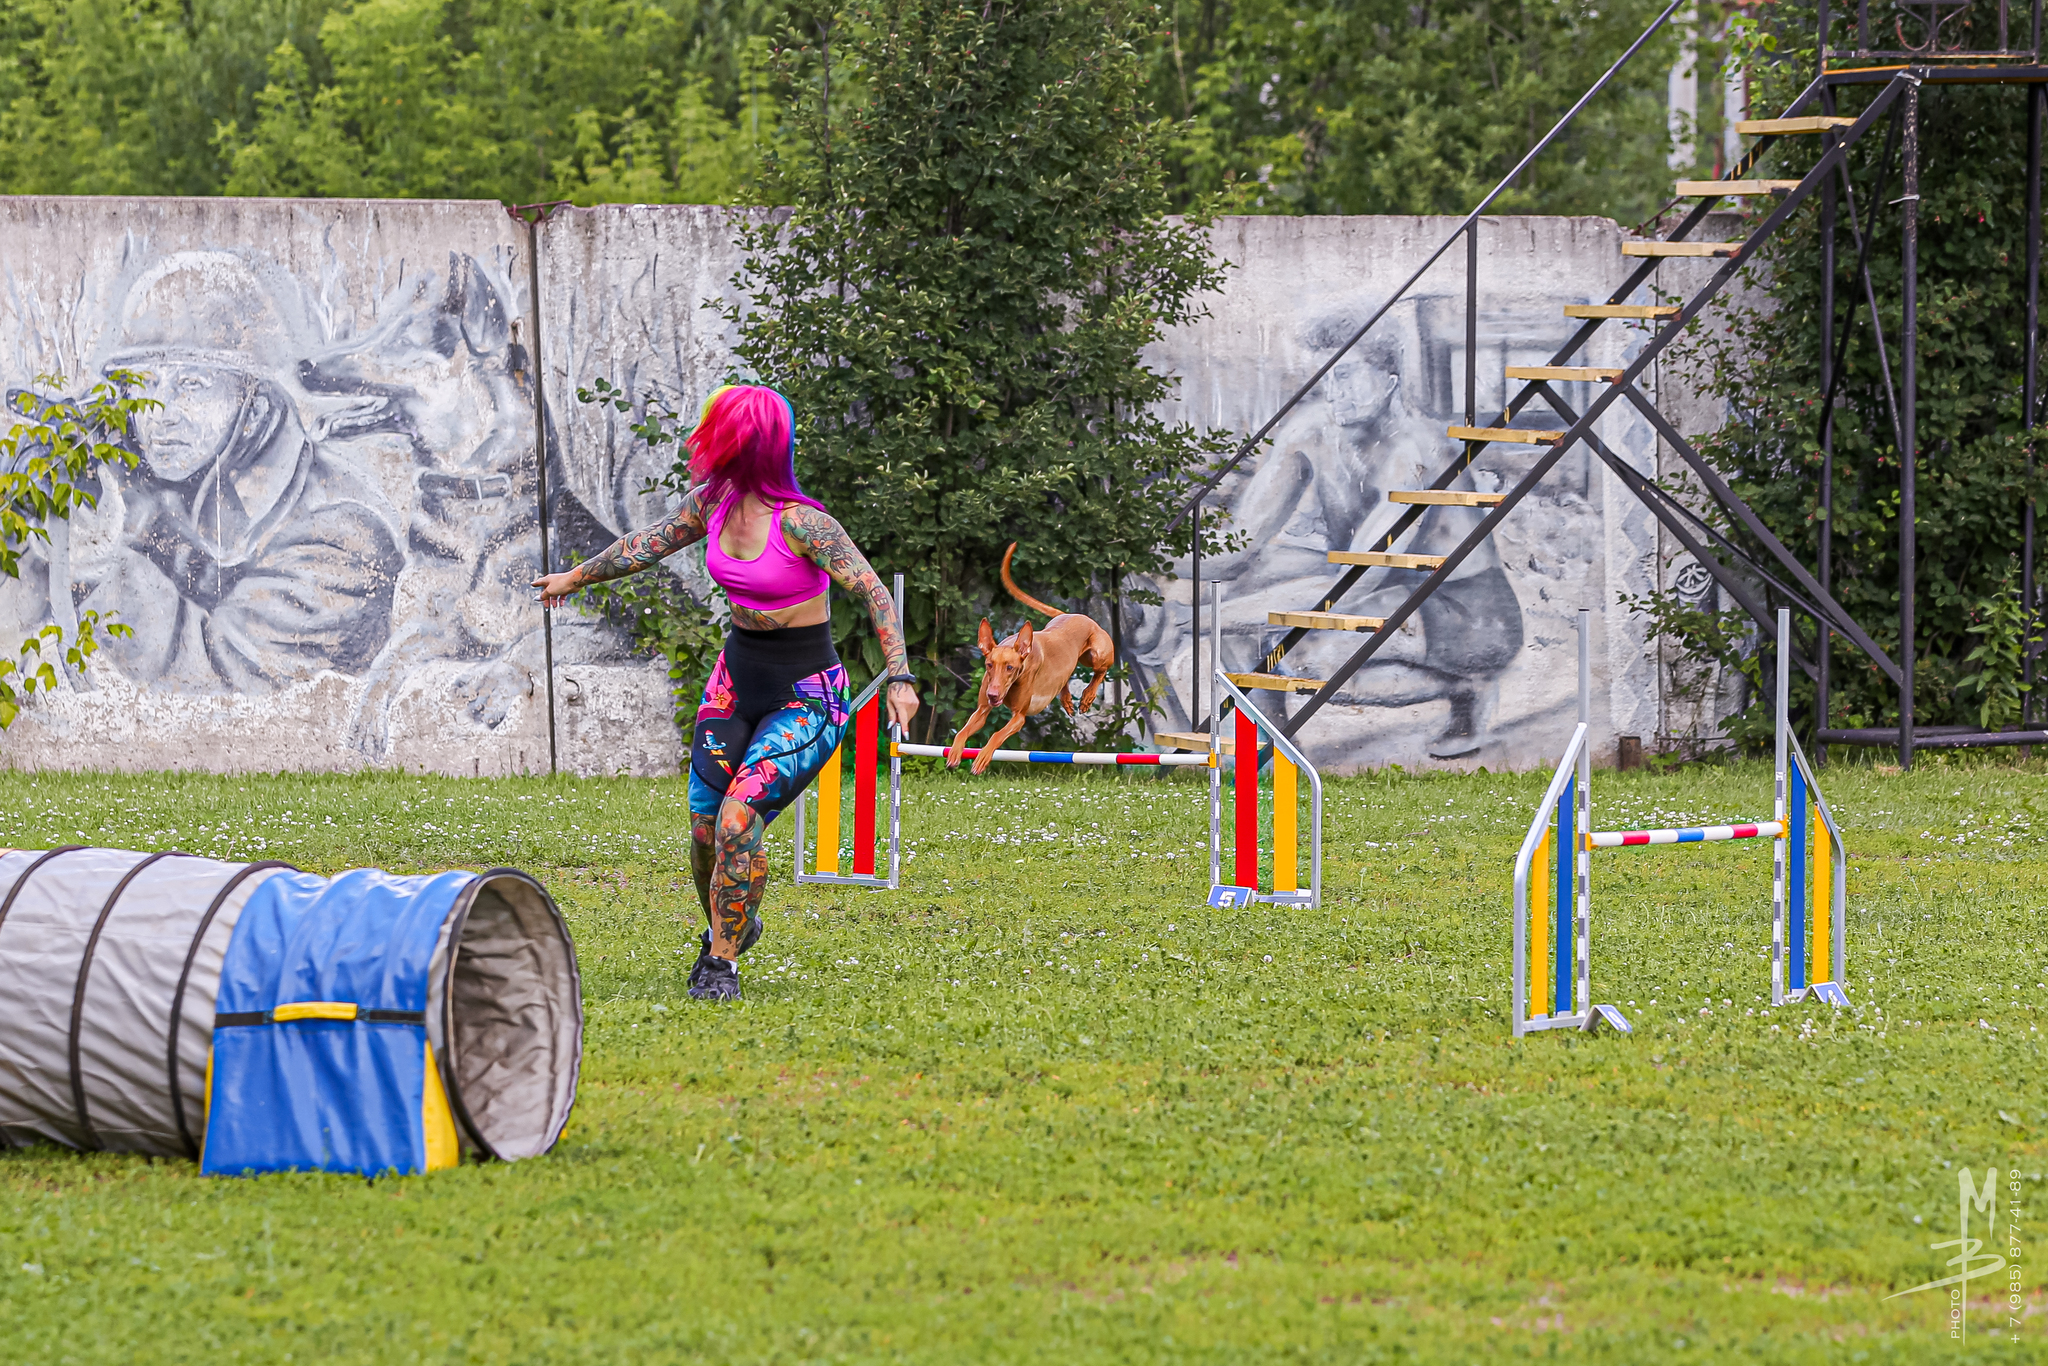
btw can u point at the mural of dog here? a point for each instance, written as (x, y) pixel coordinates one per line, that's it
(1031, 668)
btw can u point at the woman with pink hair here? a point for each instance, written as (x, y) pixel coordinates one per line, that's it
(776, 703)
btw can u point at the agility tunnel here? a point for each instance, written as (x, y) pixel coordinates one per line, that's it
(1553, 895)
(257, 1018)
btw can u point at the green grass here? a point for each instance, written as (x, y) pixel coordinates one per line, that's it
(1043, 1105)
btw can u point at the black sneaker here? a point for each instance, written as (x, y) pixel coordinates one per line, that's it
(715, 980)
(703, 957)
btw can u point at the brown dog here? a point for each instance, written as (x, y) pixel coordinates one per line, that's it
(1027, 671)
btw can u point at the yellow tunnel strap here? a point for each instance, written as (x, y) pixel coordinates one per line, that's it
(444, 1150)
(314, 1010)
(207, 1113)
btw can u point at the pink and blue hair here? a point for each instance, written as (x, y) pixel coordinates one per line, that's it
(745, 443)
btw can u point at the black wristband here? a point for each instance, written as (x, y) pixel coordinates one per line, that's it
(911, 679)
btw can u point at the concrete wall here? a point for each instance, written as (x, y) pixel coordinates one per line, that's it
(325, 547)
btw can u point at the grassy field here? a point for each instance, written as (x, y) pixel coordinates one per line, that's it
(1043, 1105)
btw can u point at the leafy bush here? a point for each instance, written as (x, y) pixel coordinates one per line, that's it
(46, 463)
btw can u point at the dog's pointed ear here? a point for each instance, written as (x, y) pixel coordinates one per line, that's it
(987, 638)
(1024, 640)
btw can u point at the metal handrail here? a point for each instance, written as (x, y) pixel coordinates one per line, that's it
(1609, 394)
(1256, 439)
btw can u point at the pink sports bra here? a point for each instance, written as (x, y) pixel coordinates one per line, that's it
(776, 578)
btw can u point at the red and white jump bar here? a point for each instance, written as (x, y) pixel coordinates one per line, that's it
(1698, 834)
(1042, 756)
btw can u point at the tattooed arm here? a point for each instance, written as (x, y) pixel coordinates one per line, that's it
(817, 535)
(631, 553)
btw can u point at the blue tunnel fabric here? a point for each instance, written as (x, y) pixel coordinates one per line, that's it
(326, 1095)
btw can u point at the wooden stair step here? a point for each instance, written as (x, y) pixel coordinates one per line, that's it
(1514, 436)
(1275, 682)
(1687, 188)
(1446, 498)
(1325, 621)
(1621, 310)
(1564, 372)
(1812, 123)
(1190, 739)
(1385, 560)
(1680, 248)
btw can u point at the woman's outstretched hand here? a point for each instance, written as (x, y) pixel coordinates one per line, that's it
(556, 588)
(902, 705)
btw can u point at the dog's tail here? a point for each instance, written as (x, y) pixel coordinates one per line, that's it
(1018, 593)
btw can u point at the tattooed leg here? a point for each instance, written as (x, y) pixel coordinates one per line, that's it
(703, 846)
(738, 875)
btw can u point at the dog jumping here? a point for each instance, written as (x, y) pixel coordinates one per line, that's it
(1030, 669)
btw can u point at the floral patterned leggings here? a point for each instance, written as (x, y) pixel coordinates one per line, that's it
(762, 756)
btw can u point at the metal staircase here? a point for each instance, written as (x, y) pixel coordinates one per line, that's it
(1747, 569)
(1621, 383)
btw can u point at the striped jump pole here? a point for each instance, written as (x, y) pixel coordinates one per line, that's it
(1056, 756)
(822, 863)
(1253, 730)
(1698, 834)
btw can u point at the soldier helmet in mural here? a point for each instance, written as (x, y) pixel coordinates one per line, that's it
(203, 307)
(220, 350)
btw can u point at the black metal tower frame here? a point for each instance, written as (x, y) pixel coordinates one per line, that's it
(1941, 58)
(1938, 59)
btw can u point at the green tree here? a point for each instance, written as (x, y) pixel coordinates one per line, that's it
(1976, 461)
(124, 96)
(591, 100)
(958, 303)
(597, 101)
(48, 461)
(1383, 106)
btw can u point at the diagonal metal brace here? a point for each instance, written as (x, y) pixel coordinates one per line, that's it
(1835, 616)
(1664, 509)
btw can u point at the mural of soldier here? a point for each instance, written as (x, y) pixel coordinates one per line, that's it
(241, 556)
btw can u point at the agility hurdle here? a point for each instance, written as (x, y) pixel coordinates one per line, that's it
(820, 861)
(1253, 730)
(1552, 986)
(864, 736)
